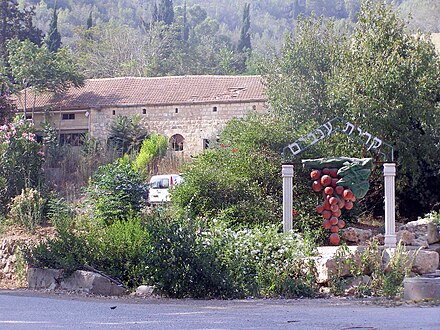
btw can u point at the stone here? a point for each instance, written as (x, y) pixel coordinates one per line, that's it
(405, 237)
(435, 247)
(356, 235)
(425, 262)
(144, 290)
(327, 266)
(424, 229)
(420, 288)
(91, 282)
(420, 261)
(380, 238)
(39, 278)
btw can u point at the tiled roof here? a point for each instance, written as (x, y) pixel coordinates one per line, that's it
(109, 92)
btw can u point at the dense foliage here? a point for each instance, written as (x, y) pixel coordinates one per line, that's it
(116, 192)
(182, 257)
(381, 79)
(21, 160)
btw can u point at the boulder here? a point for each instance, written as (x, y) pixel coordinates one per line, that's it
(425, 262)
(91, 282)
(356, 235)
(420, 261)
(405, 237)
(144, 290)
(39, 278)
(425, 231)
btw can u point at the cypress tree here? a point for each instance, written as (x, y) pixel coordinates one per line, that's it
(244, 44)
(89, 23)
(53, 37)
(166, 12)
(185, 28)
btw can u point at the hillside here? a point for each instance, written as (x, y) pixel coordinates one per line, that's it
(270, 19)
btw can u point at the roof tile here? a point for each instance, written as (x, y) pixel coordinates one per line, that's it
(126, 91)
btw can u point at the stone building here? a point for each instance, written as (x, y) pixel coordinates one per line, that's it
(189, 110)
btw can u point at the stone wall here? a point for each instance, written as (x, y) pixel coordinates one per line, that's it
(195, 122)
(12, 268)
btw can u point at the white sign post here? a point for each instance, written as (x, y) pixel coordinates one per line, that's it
(389, 173)
(287, 174)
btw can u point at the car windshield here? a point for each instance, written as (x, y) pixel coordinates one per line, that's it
(160, 183)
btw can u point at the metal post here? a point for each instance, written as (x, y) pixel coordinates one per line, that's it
(287, 174)
(389, 173)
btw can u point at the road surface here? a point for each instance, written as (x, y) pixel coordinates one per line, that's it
(36, 310)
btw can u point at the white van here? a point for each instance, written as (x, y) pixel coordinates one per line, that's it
(159, 187)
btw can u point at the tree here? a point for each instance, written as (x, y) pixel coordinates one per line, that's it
(165, 12)
(390, 84)
(16, 23)
(244, 47)
(53, 37)
(126, 134)
(89, 23)
(380, 78)
(36, 67)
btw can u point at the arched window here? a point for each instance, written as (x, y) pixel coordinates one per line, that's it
(176, 142)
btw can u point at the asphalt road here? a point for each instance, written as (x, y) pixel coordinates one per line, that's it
(33, 310)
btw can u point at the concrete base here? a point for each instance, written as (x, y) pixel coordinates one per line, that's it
(424, 287)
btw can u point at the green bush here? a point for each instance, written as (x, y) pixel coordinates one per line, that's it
(190, 258)
(21, 160)
(152, 150)
(26, 209)
(116, 191)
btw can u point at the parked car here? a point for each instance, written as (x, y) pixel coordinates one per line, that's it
(160, 186)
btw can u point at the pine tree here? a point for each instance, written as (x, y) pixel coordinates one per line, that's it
(16, 23)
(53, 37)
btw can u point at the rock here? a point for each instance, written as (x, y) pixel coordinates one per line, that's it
(90, 282)
(39, 278)
(327, 266)
(405, 237)
(380, 238)
(356, 235)
(424, 230)
(144, 290)
(420, 288)
(434, 247)
(425, 262)
(420, 261)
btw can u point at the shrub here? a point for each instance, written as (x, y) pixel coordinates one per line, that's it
(119, 250)
(152, 150)
(116, 191)
(26, 209)
(190, 258)
(126, 134)
(21, 159)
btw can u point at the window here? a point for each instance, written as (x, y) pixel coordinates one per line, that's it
(205, 143)
(176, 142)
(114, 112)
(254, 107)
(163, 183)
(176, 110)
(214, 109)
(144, 111)
(28, 117)
(68, 116)
(73, 139)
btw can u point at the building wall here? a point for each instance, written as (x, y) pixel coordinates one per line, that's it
(66, 121)
(195, 122)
